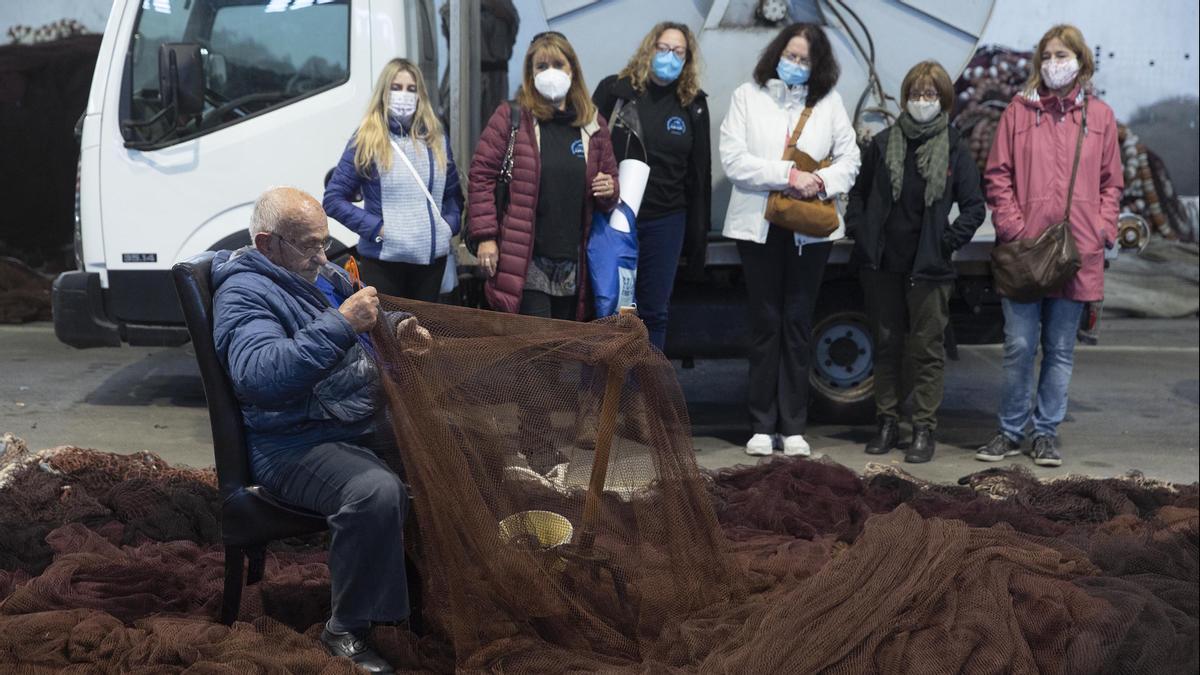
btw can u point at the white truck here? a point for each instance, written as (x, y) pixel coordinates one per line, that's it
(195, 107)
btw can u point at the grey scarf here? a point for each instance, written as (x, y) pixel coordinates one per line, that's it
(933, 155)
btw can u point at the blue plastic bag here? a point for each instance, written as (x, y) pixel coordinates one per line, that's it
(612, 262)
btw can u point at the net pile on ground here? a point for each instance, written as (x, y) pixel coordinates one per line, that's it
(111, 563)
(510, 426)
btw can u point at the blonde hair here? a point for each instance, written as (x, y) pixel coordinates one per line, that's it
(933, 73)
(638, 68)
(577, 96)
(372, 145)
(1073, 39)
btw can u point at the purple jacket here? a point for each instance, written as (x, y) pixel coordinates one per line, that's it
(514, 232)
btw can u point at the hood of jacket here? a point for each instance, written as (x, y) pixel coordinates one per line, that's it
(1040, 102)
(249, 259)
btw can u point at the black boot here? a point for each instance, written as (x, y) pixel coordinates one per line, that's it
(922, 447)
(886, 439)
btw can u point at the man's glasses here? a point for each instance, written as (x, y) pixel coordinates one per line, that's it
(662, 48)
(310, 251)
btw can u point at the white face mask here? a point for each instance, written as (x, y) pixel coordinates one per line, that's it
(1058, 74)
(553, 84)
(923, 111)
(403, 105)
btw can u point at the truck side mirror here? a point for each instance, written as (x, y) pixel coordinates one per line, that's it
(181, 78)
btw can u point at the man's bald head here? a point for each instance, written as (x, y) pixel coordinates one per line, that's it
(288, 226)
(280, 208)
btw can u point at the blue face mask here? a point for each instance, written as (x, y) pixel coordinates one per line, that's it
(667, 66)
(792, 74)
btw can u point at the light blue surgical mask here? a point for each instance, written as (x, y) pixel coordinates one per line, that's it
(792, 74)
(667, 66)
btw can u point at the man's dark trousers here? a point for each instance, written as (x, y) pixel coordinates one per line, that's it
(365, 503)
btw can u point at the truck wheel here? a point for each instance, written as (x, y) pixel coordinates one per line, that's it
(842, 375)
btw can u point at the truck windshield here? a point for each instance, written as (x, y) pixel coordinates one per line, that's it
(256, 55)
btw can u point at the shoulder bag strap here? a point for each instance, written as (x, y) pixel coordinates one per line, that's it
(514, 124)
(787, 152)
(1075, 166)
(417, 177)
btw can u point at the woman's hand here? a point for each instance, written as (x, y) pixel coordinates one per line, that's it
(803, 184)
(603, 185)
(489, 257)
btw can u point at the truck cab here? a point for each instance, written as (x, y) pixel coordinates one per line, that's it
(196, 107)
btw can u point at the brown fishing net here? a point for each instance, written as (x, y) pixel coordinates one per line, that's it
(565, 527)
(112, 563)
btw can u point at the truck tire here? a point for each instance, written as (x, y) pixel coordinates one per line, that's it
(841, 380)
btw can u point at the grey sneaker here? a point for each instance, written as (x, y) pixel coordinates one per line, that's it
(1044, 452)
(998, 449)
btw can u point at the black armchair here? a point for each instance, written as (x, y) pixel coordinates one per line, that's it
(250, 517)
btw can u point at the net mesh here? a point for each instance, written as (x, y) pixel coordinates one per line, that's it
(112, 563)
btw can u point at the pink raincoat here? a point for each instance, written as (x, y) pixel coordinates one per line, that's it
(1029, 168)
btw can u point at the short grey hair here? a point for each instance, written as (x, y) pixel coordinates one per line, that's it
(269, 210)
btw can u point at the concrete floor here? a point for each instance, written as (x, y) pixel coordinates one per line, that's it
(1135, 400)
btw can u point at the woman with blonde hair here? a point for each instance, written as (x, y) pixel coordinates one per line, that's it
(660, 116)
(1054, 132)
(899, 216)
(562, 170)
(399, 160)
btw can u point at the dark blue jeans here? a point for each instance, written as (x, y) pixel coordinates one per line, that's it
(660, 242)
(365, 503)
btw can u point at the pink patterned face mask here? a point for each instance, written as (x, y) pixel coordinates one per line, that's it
(1058, 74)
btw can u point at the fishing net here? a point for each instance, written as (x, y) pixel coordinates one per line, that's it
(565, 527)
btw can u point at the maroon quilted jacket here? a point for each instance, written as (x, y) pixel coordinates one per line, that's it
(514, 232)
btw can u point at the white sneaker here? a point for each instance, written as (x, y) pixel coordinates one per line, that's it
(759, 445)
(796, 446)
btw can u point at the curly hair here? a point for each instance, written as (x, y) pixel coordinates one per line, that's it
(823, 66)
(638, 68)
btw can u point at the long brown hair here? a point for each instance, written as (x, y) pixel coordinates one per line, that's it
(638, 68)
(372, 146)
(577, 95)
(1073, 39)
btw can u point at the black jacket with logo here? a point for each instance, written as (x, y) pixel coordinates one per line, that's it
(698, 184)
(871, 203)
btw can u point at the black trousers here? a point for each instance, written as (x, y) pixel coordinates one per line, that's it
(365, 504)
(546, 306)
(404, 280)
(782, 285)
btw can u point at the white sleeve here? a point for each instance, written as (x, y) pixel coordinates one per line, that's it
(839, 177)
(743, 168)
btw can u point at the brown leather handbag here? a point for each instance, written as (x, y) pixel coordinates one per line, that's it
(811, 217)
(1028, 270)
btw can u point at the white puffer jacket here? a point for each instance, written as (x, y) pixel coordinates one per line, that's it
(753, 136)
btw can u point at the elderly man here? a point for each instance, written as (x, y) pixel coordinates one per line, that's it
(292, 332)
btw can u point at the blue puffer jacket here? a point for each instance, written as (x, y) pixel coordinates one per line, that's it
(367, 221)
(298, 368)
